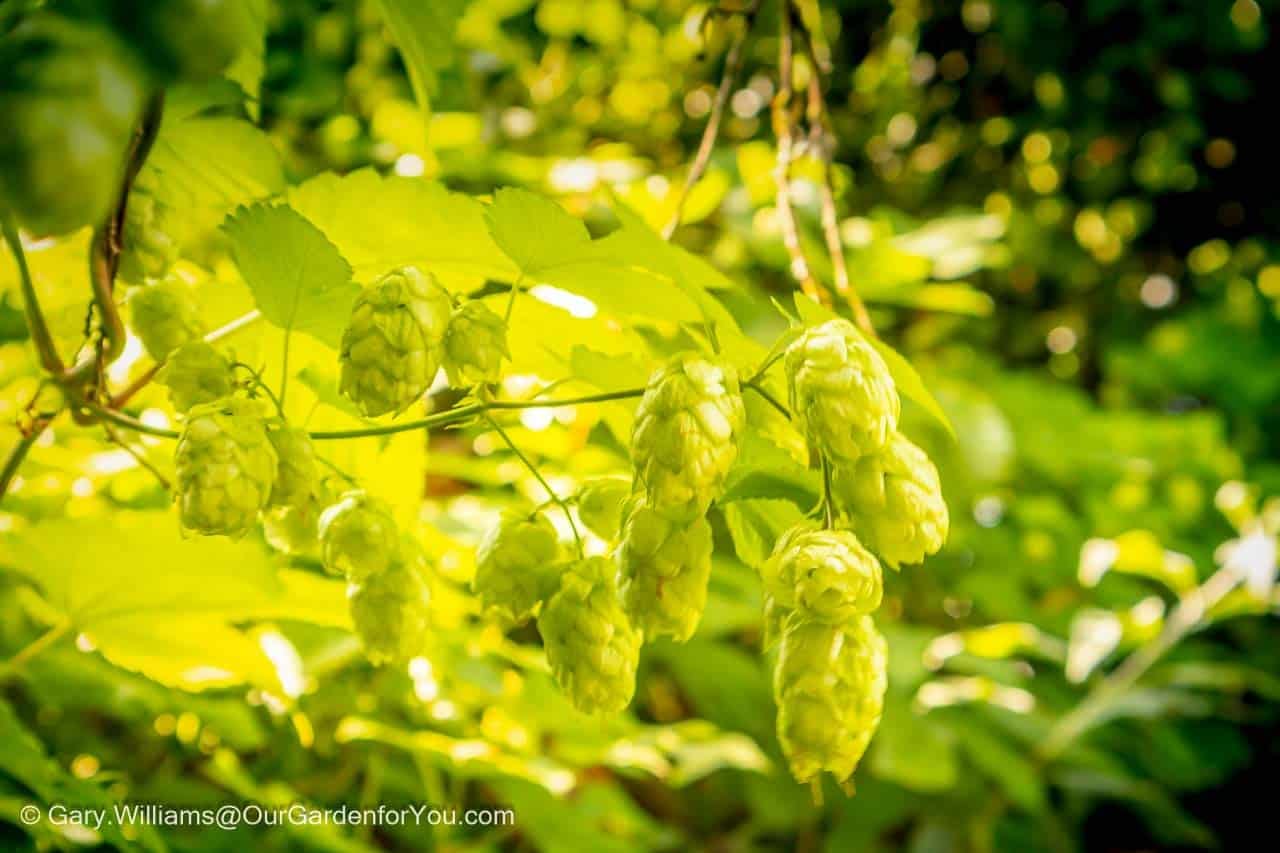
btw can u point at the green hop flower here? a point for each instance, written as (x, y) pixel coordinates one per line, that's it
(389, 609)
(225, 467)
(826, 575)
(475, 343)
(600, 505)
(776, 619)
(294, 529)
(149, 250)
(196, 373)
(665, 566)
(591, 647)
(842, 395)
(894, 501)
(685, 436)
(829, 685)
(297, 476)
(358, 537)
(165, 316)
(70, 97)
(393, 344)
(516, 567)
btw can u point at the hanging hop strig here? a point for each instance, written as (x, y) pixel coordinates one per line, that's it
(516, 567)
(389, 609)
(841, 392)
(664, 566)
(685, 436)
(297, 476)
(475, 343)
(601, 503)
(358, 537)
(591, 646)
(829, 685)
(225, 467)
(894, 501)
(825, 575)
(394, 341)
(196, 373)
(164, 316)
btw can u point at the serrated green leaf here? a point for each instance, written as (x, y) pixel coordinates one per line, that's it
(764, 470)
(424, 34)
(756, 524)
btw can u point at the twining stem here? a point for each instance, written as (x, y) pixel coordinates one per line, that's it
(24, 655)
(768, 398)
(13, 461)
(40, 334)
(150, 373)
(537, 475)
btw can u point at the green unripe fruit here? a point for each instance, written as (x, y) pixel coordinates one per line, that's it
(664, 566)
(516, 567)
(196, 373)
(829, 684)
(164, 316)
(149, 251)
(358, 537)
(225, 467)
(70, 97)
(475, 343)
(591, 646)
(393, 343)
(842, 395)
(601, 503)
(894, 501)
(825, 575)
(686, 433)
(390, 611)
(297, 476)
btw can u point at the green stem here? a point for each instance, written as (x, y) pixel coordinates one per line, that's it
(284, 371)
(511, 300)
(24, 655)
(537, 475)
(14, 460)
(769, 398)
(40, 334)
(828, 508)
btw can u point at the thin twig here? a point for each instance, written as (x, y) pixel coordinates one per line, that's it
(24, 655)
(149, 374)
(768, 398)
(36, 323)
(138, 457)
(14, 460)
(537, 475)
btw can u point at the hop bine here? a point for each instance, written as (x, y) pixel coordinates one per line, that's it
(825, 575)
(165, 316)
(358, 537)
(226, 466)
(516, 567)
(665, 566)
(475, 343)
(196, 373)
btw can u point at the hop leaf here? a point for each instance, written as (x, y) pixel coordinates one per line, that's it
(600, 505)
(358, 537)
(297, 476)
(591, 647)
(149, 251)
(475, 343)
(826, 575)
(665, 566)
(841, 392)
(685, 437)
(225, 467)
(196, 373)
(389, 609)
(393, 343)
(894, 501)
(829, 685)
(165, 316)
(516, 567)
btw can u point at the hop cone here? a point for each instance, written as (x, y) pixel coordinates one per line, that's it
(590, 644)
(393, 343)
(600, 505)
(149, 251)
(776, 619)
(685, 437)
(225, 467)
(841, 392)
(665, 566)
(475, 343)
(294, 528)
(389, 610)
(165, 316)
(825, 575)
(196, 373)
(516, 567)
(358, 537)
(297, 476)
(829, 685)
(894, 501)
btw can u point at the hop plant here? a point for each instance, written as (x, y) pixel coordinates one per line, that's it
(829, 686)
(358, 537)
(297, 475)
(225, 467)
(389, 609)
(196, 373)
(475, 343)
(600, 505)
(393, 343)
(894, 501)
(591, 647)
(149, 250)
(841, 392)
(516, 567)
(295, 528)
(664, 566)
(685, 436)
(165, 316)
(825, 575)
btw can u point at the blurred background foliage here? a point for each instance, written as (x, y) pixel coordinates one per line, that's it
(1058, 211)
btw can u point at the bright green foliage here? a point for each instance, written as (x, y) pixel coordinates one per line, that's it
(183, 38)
(894, 501)
(591, 645)
(297, 476)
(225, 467)
(149, 251)
(393, 344)
(390, 610)
(517, 567)
(842, 395)
(195, 373)
(664, 567)
(475, 343)
(70, 98)
(165, 315)
(686, 432)
(358, 537)
(825, 575)
(601, 502)
(829, 684)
